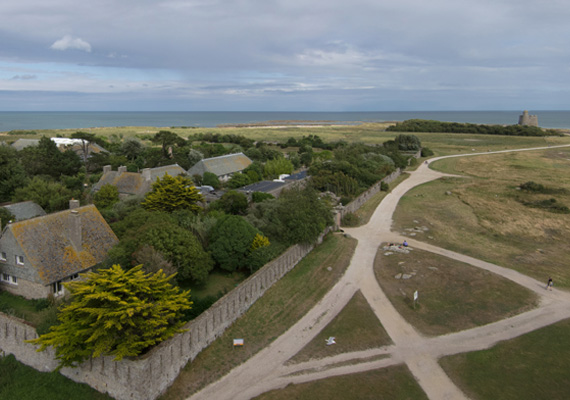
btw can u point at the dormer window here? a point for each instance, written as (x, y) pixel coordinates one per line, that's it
(3, 256)
(20, 260)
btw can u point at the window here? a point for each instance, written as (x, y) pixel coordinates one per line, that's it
(3, 256)
(11, 279)
(57, 288)
(20, 260)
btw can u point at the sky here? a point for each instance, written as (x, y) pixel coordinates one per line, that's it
(284, 55)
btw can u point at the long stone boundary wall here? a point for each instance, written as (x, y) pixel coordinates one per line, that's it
(148, 376)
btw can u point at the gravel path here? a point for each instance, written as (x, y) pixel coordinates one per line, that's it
(268, 369)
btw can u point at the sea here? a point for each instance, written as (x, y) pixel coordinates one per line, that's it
(24, 120)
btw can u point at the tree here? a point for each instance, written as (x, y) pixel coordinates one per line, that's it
(117, 313)
(276, 167)
(132, 148)
(5, 217)
(231, 202)
(169, 194)
(87, 139)
(231, 242)
(51, 196)
(106, 196)
(12, 174)
(238, 180)
(211, 179)
(166, 139)
(194, 156)
(408, 142)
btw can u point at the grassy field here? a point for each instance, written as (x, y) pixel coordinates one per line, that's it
(38, 313)
(282, 305)
(533, 366)
(394, 383)
(371, 133)
(483, 215)
(452, 296)
(355, 328)
(20, 382)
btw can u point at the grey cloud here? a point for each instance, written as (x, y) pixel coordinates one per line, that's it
(24, 77)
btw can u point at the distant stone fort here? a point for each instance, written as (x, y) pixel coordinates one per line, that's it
(526, 119)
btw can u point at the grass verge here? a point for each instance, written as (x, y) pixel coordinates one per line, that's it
(533, 366)
(482, 215)
(39, 313)
(355, 328)
(393, 383)
(279, 308)
(18, 381)
(452, 296)
(364, 213)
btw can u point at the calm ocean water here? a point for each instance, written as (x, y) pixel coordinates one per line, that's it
(82, 120)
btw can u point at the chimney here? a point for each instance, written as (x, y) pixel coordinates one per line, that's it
(146, 174)
(73, 204)
(122, 169)
(107, 168)
(74, 230)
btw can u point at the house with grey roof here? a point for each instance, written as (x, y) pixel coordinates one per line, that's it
(62, 144)
(224, 166)
(39, 254)
(135, 183)
(24, 210)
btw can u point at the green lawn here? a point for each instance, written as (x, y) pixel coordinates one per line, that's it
(280, 307)
(533, 366)
(39, 313)
(355, 328)
(453, 296)
(394, 383)
(20, 382)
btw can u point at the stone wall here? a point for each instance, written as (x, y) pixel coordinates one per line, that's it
(148, 376)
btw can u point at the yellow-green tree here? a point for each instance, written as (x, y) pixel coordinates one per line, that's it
(117, 313)
(173, 193)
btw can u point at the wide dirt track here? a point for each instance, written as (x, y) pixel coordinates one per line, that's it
(269, 369)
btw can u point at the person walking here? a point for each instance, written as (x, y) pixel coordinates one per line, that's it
(549, 284)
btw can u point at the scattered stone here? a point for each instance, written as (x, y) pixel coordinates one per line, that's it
(329, 269)
(416, 221)
(430, 237)
(434, 268)
(413, 234)
(398, 276)
(401, 262)
(425, 228)
(448, 193)
(406, 276)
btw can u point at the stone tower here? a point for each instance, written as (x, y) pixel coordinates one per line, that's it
(526, 119)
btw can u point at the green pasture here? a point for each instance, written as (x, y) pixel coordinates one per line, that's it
(483, 214)
(394, 383)
(452, 296)
(355, 328)
(533, 366)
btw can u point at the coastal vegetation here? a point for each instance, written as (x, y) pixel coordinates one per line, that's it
(422, 125)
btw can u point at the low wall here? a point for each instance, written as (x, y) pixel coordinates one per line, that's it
(148, 376)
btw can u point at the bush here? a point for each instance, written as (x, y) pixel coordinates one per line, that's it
(426, 152)
(350, 219)
(258, 197)
(384, 187)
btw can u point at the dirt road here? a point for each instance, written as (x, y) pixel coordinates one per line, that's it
(268, 370)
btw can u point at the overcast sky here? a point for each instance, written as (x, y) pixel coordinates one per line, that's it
(284, 55)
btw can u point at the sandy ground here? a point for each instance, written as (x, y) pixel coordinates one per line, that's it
(268, 369)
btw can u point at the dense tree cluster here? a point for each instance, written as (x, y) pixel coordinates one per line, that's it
(117, 313)
(422, 125)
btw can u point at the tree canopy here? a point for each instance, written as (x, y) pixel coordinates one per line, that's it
(170, 194)
(117, 313)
